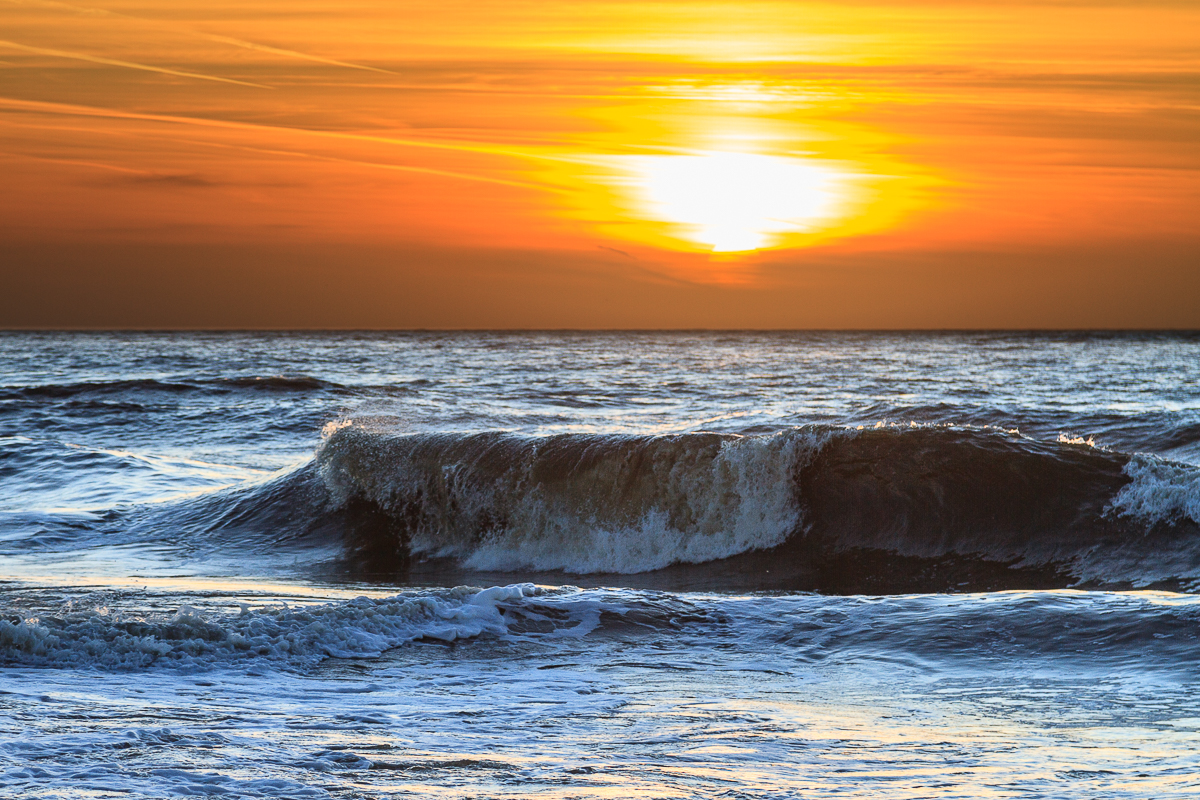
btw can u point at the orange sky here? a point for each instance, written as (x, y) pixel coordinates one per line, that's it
(599, 164)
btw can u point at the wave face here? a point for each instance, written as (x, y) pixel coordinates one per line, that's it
(840, 510)
(583, 504)
(946, 503)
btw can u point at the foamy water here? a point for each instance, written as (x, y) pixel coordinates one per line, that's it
(609, 565)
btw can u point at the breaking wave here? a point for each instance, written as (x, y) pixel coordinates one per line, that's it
(190, 638)
(113, 631)
(884, 509)
(890, 509)
(1160, 492)
(585, 504)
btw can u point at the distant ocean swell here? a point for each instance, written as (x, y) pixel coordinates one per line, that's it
(836, 509)
(149, 387)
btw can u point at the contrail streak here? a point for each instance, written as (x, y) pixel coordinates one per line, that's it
(381, 165)
(212, 37)
(112, 62)
(89, 111)
(282, 52)
(482, 149)
(78, 163)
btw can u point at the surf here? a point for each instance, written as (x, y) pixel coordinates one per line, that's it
(892, 508)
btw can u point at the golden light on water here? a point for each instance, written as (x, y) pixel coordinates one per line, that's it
(730, 202)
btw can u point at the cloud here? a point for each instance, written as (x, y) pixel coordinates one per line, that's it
(37, 106)
(614, 250)
(242, 43)
(279, 51)
(179, 180)
(112, 62)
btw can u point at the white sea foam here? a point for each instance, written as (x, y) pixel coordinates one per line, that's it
(1161, 491)
(579, 504)
(358, 628)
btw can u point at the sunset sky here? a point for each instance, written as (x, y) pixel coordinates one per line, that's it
(530, 164)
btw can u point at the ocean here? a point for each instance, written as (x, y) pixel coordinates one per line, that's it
(600, 565)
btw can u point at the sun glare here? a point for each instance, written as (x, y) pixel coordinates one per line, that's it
(732, 202)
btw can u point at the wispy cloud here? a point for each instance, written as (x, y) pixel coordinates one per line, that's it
(211, 37)
(113, 62)
(467, 176)
(125, 176)
(160, 179)
(279, 51)
(462, 147)
(75, 162)
(90, 111)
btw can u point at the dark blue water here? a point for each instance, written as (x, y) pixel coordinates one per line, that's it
(737, 564)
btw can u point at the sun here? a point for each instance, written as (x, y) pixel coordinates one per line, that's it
(731, 202)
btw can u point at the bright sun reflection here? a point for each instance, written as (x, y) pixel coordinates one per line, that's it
(734, 202)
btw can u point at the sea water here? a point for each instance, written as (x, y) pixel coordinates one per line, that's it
(599, 565)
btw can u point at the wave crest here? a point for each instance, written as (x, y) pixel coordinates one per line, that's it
(571, 502)
(1161, 491)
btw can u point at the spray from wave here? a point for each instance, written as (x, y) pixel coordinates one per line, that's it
(1160, 492)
